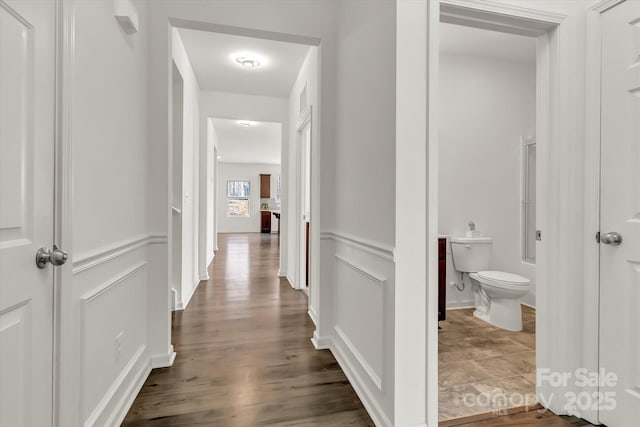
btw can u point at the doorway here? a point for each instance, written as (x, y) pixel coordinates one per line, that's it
(265, 83)
(303, 138)
(545, 28)
(487, 200)
(176, 185)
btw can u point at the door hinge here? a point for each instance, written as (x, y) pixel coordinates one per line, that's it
(539, 235)
(598, 237)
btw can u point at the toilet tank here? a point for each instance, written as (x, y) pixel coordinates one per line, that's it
(471, 254)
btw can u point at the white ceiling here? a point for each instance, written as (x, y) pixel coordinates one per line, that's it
(259, 143)
(462, 40)
(212, 57)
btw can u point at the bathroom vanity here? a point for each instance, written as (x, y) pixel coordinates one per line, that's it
(442, 278)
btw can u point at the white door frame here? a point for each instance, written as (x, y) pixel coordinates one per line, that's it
(65, 357)
(305, 119)
(551, 30)
(593, 105)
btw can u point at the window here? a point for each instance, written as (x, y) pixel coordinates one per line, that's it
(529, 200)
(238, 203)
(238, 188)
(278, 189)
(238, 208)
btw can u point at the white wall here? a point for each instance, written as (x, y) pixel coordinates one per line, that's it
(486, 106)
(114, 264)
(190, 168)
(357, 252)
(244, 172)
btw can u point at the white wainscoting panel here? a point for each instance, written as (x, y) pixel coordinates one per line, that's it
(113, 337)
(359, 275)
(360, 315)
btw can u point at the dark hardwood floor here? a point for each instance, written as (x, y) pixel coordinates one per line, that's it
(244, 354)
(245, 359)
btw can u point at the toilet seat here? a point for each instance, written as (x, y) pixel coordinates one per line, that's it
(502, 279)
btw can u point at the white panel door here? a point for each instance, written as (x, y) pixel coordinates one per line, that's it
(620, 213)
(27, 37)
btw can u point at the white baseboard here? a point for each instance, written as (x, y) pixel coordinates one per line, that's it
(320, 343)
(312, 314)
(459, 305)
(116, 402)
(376, 413)
(282, 273)
(163, 360)
(174, 299)
(182, 305)
(290, 281)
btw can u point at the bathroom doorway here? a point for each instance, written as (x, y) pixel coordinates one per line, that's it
(487, 223)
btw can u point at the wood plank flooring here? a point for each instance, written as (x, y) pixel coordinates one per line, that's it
(245, 359)
(244, 354)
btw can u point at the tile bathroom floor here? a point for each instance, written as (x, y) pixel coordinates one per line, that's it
(484, 369)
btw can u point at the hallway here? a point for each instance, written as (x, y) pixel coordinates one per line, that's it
(244, 353)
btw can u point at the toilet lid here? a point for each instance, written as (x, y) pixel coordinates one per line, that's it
(501, 276)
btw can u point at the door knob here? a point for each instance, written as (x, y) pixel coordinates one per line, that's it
(56, 257)
(611, 238)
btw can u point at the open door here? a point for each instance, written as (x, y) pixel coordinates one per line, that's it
(620, 216)
(27, 117)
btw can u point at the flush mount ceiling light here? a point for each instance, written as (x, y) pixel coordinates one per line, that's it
(248, 62)
(245, 123)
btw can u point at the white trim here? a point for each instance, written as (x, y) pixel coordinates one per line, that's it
(604, 5)
(290, 281)
(304, 119)
(313, 316)
(282, 274)
(105, 287)
(99, 256)
(182, 305)
(369, 246)
(122, 407)
(320, 343)
(376, 413)
(373, 376)
(460, 305)
(502, 17)
(361, 270)
(64, 354)
(300, 224)
(163, 360)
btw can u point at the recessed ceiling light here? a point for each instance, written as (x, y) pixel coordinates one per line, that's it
(247, 62)
(219, 157)
(245, 123)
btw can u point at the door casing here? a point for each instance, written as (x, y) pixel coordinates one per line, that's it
(66, 381)
(551, 29)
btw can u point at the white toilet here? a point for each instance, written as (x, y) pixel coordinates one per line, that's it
(497, 294)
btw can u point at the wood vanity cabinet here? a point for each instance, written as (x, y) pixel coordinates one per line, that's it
(442, 279)
(265, 193)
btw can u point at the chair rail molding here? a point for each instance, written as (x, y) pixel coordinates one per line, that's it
(374, 248)
(107, 253)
